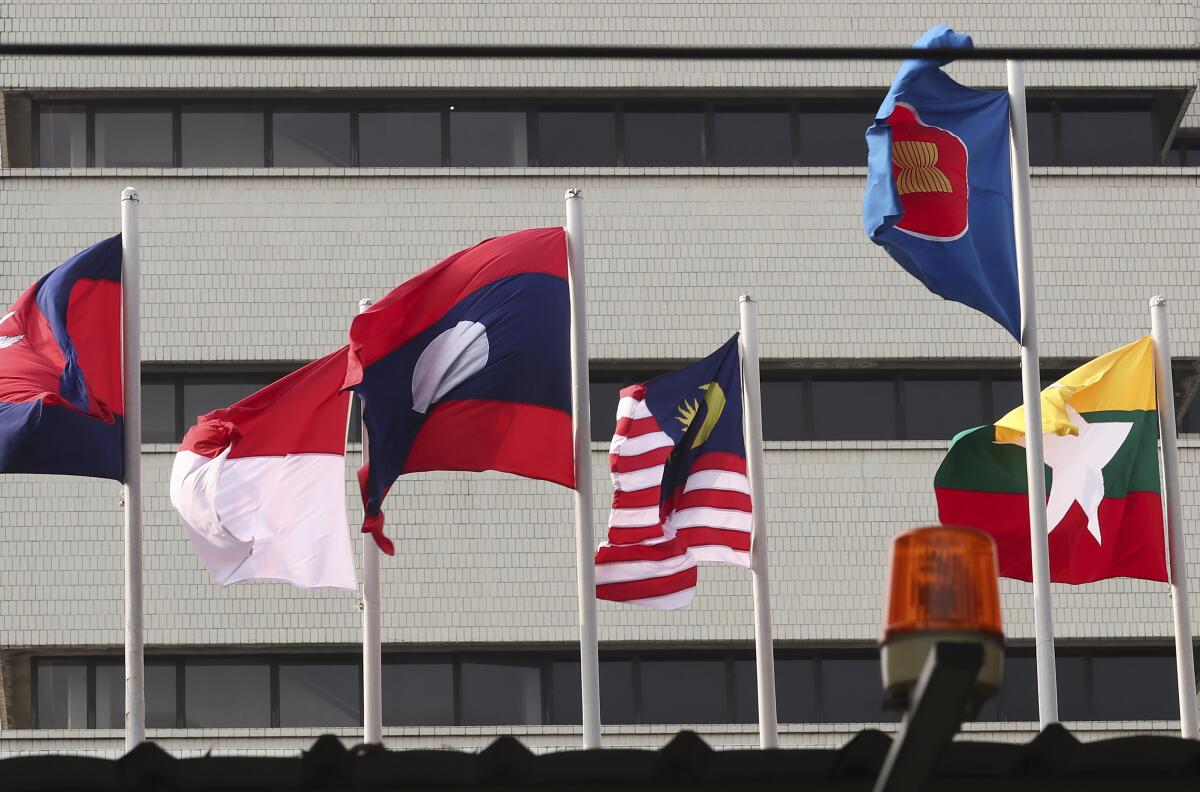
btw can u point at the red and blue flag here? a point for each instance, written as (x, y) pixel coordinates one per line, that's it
(61, 398)
(680, 491)
(467, 367)
(939, 185)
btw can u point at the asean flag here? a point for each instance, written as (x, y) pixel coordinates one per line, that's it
(467, 367)
(61, 398)
(939, 185)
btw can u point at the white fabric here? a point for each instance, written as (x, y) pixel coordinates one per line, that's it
(709, 517)
(719, 554)
(625, 571)
(267, 518)
(636, 480)
(673, 601)
(449, 360)
(718, 480)
(633, 518)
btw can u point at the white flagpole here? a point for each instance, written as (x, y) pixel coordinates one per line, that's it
(372, 645)
(585, 537)
(1184, 670)
(764, 649)
(1031, 388)
(131, 324)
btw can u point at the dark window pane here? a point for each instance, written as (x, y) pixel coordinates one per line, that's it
(1174, 155)
(488, 138)
(1041, 137)
(795, 691)
(854, 410)
(683, 691)
(395, 139)
(1190, 421)
(62, 696)
(1006, 394)
(666, 138)
(1135, 688)
(227, 695)
(160, 696)
(62, 137)
(134, 138)
(783, 411)
(1018, 691)
(1072, 688)
(834, 138)
(354, 426)
(990, 711)
(616, 692)
(158, 412)
(1108, 137)
(222, 138)
(203, 397)
(940, 409)
(418, 694)
(853, 690)
(584, 137)
(319, 695)
(311, 139)
(752, 138)
(501, 693)
(605, 398)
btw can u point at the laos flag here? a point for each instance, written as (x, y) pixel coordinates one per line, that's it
(61, 400)
(939, 185)
(467, 367)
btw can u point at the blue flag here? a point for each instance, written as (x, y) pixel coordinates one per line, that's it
(939, 189)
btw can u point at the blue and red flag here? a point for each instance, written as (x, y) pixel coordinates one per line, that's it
(680, 491)
(467, 366)
(939, 185)
(61, 398)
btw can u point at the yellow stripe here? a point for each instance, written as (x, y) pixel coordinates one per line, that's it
(1121, 380)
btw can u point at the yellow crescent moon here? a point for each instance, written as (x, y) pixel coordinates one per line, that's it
(714, 400)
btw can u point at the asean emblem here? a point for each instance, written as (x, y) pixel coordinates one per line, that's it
(929, 165)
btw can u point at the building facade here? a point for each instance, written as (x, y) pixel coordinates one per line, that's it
(278, 192)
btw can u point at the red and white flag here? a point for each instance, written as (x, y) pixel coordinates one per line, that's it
(680, 491)
(261, 484)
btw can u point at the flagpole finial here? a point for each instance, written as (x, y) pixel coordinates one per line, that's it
(130, 194)
(1157, 300)
(573, 193)
(746, 298)
(365, 303)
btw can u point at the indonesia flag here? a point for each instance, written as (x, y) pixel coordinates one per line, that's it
(467, 366)
(261, 484)
(680, 491)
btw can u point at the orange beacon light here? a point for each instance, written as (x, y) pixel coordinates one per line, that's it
(942, 586)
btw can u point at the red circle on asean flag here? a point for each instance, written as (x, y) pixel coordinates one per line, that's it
(929, 169)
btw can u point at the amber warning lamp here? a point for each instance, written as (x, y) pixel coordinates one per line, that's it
(943, 586)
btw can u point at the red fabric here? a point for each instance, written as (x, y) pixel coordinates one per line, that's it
(303, 413)
(414, 305)
(647, 587)
(630, 464)
(931, 213)
(94, 310)
(476, 434)
(1133, 543)
(700, 536)
(32, 368)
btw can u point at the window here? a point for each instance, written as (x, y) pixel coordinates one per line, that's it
(1043, 147)
(501, 692)
(62, 694)
(311, 139)
(852, 691)
(399, 138)
(227, 694)
(938, 409)
(605, 397)
(752, 137)
(683, 691)
(319, 694)
(854, 410)
(215, 136)
(835, 138)
(1006, 394)
(159, 681)
(1096, 136)
(577, 138)
(667, 137)
(795, 690)
(62, 136)
(158, 413)
(418, 693)
(483, 138)
(134, 138)
(617, 703)
(784, 412)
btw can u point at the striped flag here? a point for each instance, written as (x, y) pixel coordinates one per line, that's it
(680, 492)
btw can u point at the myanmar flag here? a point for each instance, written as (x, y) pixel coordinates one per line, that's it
(1104, 509)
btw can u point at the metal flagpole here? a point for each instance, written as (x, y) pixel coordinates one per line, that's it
(764, 648)
(1184, 670)
(372, 647)
(131, 324)
(585, 537)
(1031, 389)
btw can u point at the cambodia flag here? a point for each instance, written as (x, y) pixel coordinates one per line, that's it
(939, 185)
(61, 398)
(467, 367)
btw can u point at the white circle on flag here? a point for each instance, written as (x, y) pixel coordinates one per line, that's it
(449, 360)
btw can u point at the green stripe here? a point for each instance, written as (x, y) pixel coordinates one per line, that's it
(976, 463)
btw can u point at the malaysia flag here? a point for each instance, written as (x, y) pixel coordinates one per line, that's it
(467, 367)
(680, 491)
(61, 398)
